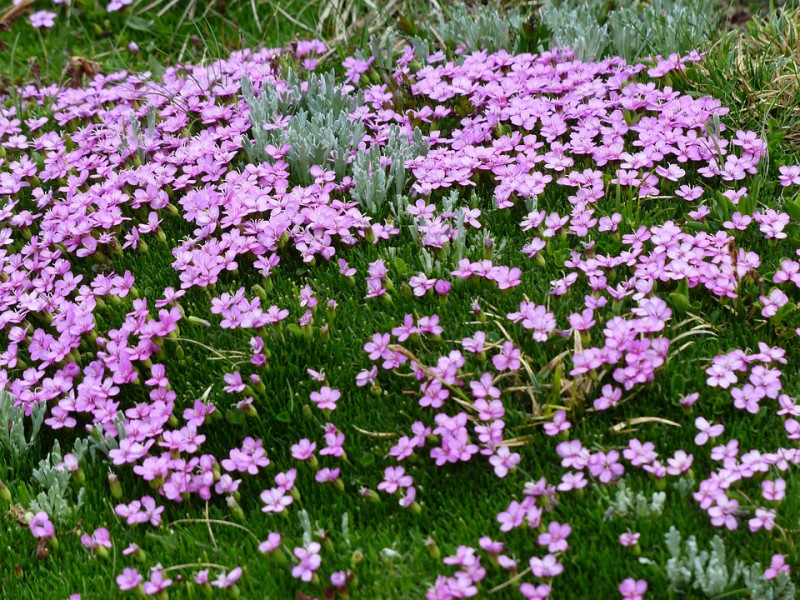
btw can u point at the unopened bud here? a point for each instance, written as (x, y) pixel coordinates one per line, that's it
(433, 548)
(5, 493)
(116, 488)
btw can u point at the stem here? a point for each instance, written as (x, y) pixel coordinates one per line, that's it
(217, 522)
(511, 581)
(194, 565)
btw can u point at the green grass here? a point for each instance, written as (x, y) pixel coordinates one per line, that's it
(459, 503)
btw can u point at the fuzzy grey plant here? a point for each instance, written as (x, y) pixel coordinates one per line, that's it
(55, 497)
(319, 125)
(627, 503)
(487, 29)
(709, 571)
(576, 25)
(661, 27)
(760, 588)
(632, 29)
(321, 130)
(100, 442)
(12, 433)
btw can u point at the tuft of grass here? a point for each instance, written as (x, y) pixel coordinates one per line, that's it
(756, 72)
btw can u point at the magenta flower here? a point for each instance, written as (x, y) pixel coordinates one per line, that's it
(764, 519)
(326, 398)
(129, 579)
(275, 500)
(271, 544)
(226, 580)
(633, 589)
(43, 19)
(555, 538)
(706, 430)
(535, 592)
(508, 359)
(777, 565)
(546, 567)
(201, 577)
(99, 539)
(157, 583)
(605, 466)
(774, 491)
(310, 560)
(723, 512)
(789, 175)
(394, 478)
(355, 68)
(559, 424)
(327, 475)
(41, 527)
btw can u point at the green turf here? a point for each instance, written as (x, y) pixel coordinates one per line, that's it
(459, 503)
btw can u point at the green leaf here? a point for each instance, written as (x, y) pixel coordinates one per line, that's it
(140, 24)
(400, 266)
(234, 417)
(793, 208)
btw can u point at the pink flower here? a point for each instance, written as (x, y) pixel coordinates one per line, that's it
(43, 19)
(326, 398)
(271, 544)
(128, 579)
(394, 478)
(310, 561)
(605, 466)
(304, 449)
(535, 592)
(777, 565)
(633, 589)
(41, 527)
(275, 500)
(558, 425)
(226, 580)
(707, 430)
(355, 68)
(100, 538)
(546, 567)
(789, 175)
(157, 581)
(774, 491)
(555, 538)
(763, 519)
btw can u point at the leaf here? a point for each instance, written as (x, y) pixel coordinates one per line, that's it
(793, 208)
(400, 266)
(620, 427)
(140, 24)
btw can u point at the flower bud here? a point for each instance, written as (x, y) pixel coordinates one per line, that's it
(5, 493)
(356, 558)
(260, 292)
(235, 508)
(433, 548)
(116, 488)
(370, 495)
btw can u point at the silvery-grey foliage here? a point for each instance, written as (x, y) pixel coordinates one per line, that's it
(12, 434)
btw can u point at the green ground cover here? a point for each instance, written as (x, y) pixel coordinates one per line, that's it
(393, 552)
